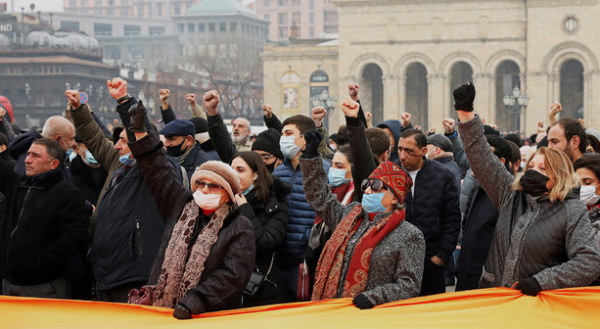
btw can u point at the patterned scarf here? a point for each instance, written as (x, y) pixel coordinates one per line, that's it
(329, 269)
(177, 276)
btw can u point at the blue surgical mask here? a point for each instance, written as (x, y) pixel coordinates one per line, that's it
(123, 158)
(71, 155)
(336, 176)
(246, 191)
(288, 146)
(372, 203)
(89, 158)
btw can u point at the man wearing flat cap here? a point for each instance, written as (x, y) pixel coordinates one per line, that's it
(439, 148)
(181, 143)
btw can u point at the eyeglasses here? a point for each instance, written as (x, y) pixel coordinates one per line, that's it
(212, 187)
(266, 156)
(376, 185)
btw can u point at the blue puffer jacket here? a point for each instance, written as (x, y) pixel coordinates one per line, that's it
(301, 217)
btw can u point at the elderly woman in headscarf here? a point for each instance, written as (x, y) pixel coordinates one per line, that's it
(207, 253)
(373, 256)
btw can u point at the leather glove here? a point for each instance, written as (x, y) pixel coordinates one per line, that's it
(361, 301)
(529, 286)
(182, 312)
(464, 97)
(138, 115)
(313, 138)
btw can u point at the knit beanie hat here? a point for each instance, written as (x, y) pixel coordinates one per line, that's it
(268, 141)
(221, 174)
(394, 177)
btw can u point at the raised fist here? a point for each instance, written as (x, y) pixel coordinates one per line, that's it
(318, 113)
(369, 117)
(268, 111)
(350, 108)
(448, 124)
(405, 118)
(2, 113)
(164, 94)
(555, 108)
(138, 114)
(73, 98)
(191, 99)
(117, 87)
(211, 101)
(464, 97)
(353, 91)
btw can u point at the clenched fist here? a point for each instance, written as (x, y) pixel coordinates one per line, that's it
(405, 118)
(191, 99)
(267, 111)
(73, 99)
(117, 87)
(350, 108)
(464, 97)
(211, 101)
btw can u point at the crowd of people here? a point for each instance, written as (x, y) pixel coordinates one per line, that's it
(198, 219)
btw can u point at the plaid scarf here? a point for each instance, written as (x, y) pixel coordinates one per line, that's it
(329, 269)
(177, 276)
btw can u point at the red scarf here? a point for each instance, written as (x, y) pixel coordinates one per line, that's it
(329, 268)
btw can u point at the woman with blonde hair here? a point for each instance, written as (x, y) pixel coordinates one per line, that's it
(543, 239)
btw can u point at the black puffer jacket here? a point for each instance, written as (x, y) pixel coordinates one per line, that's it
(231, 259)
(434, 209)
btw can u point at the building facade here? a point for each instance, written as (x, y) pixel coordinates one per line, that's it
(311, 17)
(409, 56)
(129, 8)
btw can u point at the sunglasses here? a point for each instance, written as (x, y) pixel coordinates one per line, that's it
(212, 187)
(376, 185)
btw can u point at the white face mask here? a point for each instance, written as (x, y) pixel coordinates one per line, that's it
(588, 195)
(207, 201)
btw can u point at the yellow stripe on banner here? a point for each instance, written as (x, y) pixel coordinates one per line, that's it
(489, 308)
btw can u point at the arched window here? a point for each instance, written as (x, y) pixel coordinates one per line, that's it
(507, 78)
(319, 93)
(461, 73)
(371, 91)
(571, 89)
(417, 91)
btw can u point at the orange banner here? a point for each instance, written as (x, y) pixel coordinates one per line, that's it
(489, 308)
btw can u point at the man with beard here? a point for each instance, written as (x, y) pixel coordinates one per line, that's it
(568, 136)
(240, 134)
(181, 143)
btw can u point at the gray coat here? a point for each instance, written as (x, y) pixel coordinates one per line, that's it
(550, 241)
(396, 268)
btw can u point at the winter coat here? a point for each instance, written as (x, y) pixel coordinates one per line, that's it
(195, 159)
(434, 209)
(301, 215)
(89, 181)
(552, 242)
(396, 267)
(128, 226)
(44, 224)
(449, 163)
(459, 152)
(478, 226)
(231, 259)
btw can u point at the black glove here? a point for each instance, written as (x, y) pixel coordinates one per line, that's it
(529, 286)
(138, 115)
(182, 312)
(313, 138)
(464, 97)
(361, 301)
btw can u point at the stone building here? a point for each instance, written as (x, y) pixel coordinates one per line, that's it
(409, 55)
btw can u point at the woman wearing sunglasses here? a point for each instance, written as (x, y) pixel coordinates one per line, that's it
(207, 252)
(373, 256)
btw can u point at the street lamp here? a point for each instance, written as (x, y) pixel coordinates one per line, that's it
(516, 103)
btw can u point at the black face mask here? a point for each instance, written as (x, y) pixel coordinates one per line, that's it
(534, 183)
(175, 151)
(271, 167)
